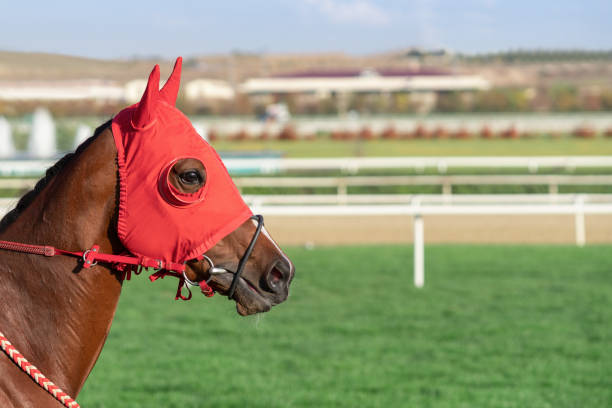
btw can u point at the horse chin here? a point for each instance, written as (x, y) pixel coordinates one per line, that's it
(248, 299)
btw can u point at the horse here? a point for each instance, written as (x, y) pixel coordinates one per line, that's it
(57, 310)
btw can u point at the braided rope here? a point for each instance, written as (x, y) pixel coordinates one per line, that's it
(35, 373)
(32, 249)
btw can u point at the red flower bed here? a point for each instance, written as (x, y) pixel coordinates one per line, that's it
(487, 133)
(462, 134)
(584, 132)
(288, 133)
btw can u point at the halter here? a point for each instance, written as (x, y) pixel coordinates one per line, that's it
(123, 263)
(213, 270)
(161, 231)
(130, 263)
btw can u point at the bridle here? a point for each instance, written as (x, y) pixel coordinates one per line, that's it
(214, 270)
(122, 263)
(131, 263)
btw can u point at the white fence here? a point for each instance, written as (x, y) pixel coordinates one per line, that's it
(342, 183)
(351, 165)
(436, 199)
(536, 123)
(417, 206)
(576, 205)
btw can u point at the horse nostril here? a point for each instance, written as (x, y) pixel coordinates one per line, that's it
(278, 276)
(275, 276)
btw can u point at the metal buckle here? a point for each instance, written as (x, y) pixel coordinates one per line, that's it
(88, 262)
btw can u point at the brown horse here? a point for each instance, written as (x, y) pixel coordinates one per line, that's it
(57, 313)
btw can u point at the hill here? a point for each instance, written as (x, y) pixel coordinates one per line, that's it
(502, 69)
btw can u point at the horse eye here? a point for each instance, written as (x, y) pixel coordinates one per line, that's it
(191, 177)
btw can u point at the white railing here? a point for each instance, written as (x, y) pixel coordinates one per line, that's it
(577, 205)
(473, 123)
(417, 206)
(352, 165)
(341, 184)
(375, 199)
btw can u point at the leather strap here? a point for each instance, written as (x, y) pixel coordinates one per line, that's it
(123, 263)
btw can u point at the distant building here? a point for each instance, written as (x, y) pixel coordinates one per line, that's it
(134, 89)
(306, 88)
(60, 90)
(197, 90)
(325, 82)
(200, 89)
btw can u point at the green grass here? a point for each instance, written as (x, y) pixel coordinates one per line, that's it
(495, 326)
(541, 146)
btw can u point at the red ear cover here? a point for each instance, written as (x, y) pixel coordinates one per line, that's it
(169, 92)
(144, 115)
(155, 218)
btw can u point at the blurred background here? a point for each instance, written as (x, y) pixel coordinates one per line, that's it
(380, 139)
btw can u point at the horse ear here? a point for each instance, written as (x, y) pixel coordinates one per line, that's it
(170, 90)
(145, 112)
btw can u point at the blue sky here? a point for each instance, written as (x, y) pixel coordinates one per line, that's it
(111, 28)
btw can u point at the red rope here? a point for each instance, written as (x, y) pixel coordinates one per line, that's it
(32, 249)
(120, 262)
(90, 258)
(35, 373)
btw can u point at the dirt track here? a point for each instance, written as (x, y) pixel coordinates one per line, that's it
(326, 230)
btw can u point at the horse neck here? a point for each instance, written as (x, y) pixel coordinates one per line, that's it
(55, 312)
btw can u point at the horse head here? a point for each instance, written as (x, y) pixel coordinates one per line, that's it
(174, 208)
(178, 203)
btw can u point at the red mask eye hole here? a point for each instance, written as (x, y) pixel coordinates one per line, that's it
(183, 182)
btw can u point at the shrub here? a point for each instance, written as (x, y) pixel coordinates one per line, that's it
(450, 102)
(486, 133)
(404, 135)
(213, 135)
(584, 132)
(565, 99)
(462, 134)
(240, 135)
(511, 133)
(366, 134)
(421, 133)
(310, 136)
(440, 133)
(389, 133)
(288, 133)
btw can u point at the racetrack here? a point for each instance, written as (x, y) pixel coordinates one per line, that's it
(495, 326)
(513, 229)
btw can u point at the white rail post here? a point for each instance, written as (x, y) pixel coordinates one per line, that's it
(553, 188)
(447, 187)
(419, 247)
(579, 221)
(342, 191)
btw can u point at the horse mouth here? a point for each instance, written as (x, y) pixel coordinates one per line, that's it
(247, 296)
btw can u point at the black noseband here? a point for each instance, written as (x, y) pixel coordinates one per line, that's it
(245, 256)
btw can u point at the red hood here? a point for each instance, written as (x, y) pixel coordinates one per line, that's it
(155, 220)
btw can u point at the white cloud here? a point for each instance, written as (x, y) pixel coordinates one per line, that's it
(353, 11)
